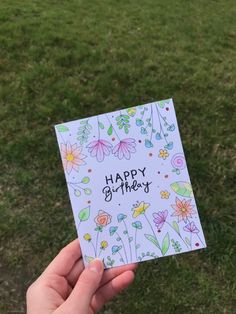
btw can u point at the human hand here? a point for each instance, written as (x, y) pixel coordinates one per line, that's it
(66, 287)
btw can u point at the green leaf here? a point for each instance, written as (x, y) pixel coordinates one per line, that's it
(84, 214)
(165, 244)
(125, 117)
(62, 128)
(153, 240)
(110, 130)
(131, 111)
(182, 188)
(187, 241)
(77, 193)
(101, 125)
(176, 226)
(88, 259)
(87, 191)
(85, 180)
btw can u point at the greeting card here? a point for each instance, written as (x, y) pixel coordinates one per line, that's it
(129, 185)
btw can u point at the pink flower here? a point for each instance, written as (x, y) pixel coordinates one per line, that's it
(160, 218)
(99, 149)
(191, 227)
(124, 148)
(183, 209)
(72, 157)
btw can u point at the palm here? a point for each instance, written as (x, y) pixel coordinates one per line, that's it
(58, 282)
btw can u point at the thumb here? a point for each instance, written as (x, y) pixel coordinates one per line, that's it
(87, 284)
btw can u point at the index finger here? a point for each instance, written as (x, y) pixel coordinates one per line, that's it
(65, 260)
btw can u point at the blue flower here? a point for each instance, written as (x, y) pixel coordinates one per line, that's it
(169, 145)
(112, 230)
(148, 143)
(137, 224)
(121, 217)
(139, 122)
(115, 249)
(171, 128)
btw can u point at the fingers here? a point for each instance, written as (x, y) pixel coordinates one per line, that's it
(108, 275)
(65, 260)
(111, 289)
(81, 296)
(75, 272)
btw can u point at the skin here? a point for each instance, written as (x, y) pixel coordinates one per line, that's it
(66, 287)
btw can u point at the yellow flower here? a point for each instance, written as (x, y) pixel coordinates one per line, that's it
(140, 209)
(87, 237)
(104, 245)
(165, 194)
(163, 153)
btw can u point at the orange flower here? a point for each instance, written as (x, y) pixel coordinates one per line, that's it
(183, 209)
(72, 157)
(102, 219)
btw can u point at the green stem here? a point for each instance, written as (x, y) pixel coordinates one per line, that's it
(128, 241)
(135, 244)
(123, 246)
(177, 233)
(152, 231)
(96, 244)
(121, 257)
(93, 247)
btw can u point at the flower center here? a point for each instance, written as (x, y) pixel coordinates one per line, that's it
(69, 157)
(183, 209)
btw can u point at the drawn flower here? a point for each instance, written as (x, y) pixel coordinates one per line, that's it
(191, 227)
(160, 218)
(112, 230)
(165, 194)
(163, 153)
(183, 209)
(124, 148)
(103, 245)
(102, 219)
(99, 149)
(87, 237)
(121, 217)
(140, 209)
(116, 249)
(72, 157)
(137, 225)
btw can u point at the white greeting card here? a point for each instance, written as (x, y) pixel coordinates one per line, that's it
(129, 185)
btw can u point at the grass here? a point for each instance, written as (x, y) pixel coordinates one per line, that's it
(63, 60)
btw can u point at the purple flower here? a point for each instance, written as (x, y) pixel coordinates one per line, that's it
(99, 149)
(124, 148)
(160, 218)
(191, 227)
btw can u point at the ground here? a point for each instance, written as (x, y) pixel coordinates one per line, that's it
(63, 60)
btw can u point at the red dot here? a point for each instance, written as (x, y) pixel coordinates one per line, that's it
(158, 230)
(158, 172)
(89, 170)
(197, 244)
(113, 139)
(150, 154)
(166, 176)
(89, 202)
(167, 109)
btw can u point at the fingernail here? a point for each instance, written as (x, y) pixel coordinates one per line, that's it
(96, 266)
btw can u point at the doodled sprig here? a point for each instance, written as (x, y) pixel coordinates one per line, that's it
(84, 131)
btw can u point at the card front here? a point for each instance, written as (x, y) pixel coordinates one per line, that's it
(129, 185)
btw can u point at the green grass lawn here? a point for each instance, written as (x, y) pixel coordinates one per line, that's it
(64, 60)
